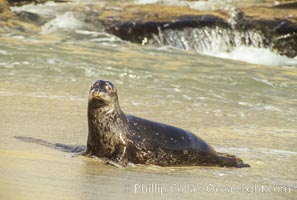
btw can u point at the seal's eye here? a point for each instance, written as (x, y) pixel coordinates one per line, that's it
(108, 87)
(95, 85)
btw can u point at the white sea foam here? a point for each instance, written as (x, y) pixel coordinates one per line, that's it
(248, 46)
(91, 33)
(3, 52)
(257, 56)
(64, 22)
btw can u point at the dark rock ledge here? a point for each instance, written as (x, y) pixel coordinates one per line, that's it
(11, 21)
(136, 22)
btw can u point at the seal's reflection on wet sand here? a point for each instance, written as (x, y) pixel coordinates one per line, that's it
(57, 146)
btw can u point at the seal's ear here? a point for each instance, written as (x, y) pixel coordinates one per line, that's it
(108, 87)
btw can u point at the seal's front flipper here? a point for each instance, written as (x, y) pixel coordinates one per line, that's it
(121, 156)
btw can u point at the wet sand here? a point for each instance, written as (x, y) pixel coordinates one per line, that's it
(33, 171)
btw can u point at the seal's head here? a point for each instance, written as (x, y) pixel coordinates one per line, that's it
(103, 93)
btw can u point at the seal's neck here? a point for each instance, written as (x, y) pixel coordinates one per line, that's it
(102, 122)
(98, 112)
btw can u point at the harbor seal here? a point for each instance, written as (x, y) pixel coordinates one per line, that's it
(126, 138)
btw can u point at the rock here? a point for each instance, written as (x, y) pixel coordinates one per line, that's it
(290, 5)
(277, 24)
(20, 2)
(136, 22)
(31, 18)
(10, 21)
(5, 12)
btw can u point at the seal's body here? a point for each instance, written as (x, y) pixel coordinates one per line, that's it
(126, 138)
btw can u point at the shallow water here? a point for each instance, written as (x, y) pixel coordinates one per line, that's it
(240, 108)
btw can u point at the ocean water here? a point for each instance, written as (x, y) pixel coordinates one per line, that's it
(242, 102)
